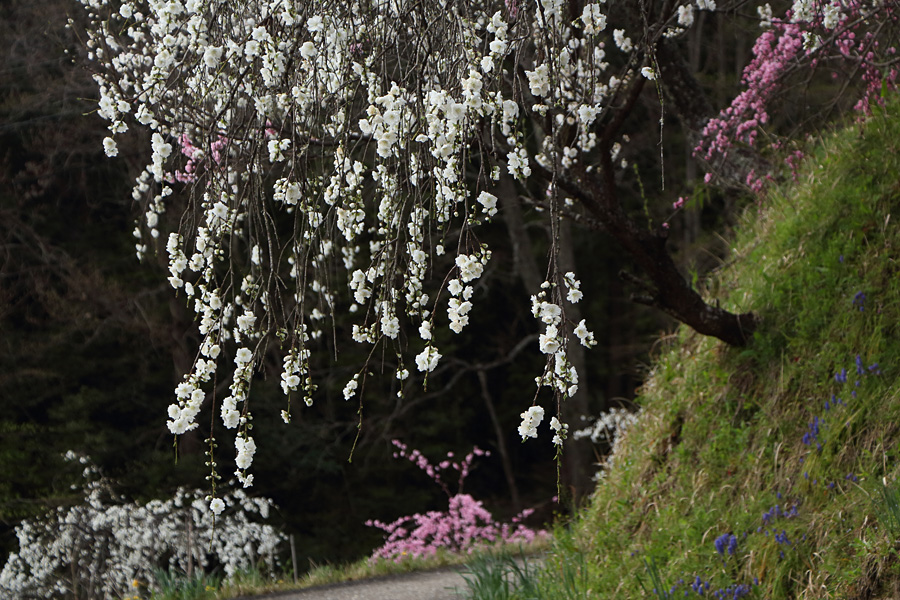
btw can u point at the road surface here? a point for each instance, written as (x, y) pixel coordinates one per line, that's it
(439, 584)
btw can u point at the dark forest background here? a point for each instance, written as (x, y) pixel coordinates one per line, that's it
(92, 342)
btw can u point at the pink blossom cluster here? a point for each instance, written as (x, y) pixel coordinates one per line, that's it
(755, 182)
(773, 53)
(464, 526)
(873, 77)
(793, 161)
(195, 157)
(434, 471)
(836, 33)
(461, 528)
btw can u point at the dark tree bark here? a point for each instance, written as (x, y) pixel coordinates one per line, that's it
(501, 441)
(665, 287)
(578, 452)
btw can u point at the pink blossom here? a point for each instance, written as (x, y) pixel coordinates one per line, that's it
(465, 525)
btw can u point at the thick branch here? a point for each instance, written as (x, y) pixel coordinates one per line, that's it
(667, 290)
(671, 293)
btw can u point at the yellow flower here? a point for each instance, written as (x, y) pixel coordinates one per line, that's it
(135, 583)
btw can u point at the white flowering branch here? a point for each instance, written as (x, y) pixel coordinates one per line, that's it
(336, 157)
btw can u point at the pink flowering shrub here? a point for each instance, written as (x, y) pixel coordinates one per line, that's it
(462, 527)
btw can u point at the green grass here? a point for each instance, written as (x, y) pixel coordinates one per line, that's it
(178, 586)
(500, 576)
(720, 440)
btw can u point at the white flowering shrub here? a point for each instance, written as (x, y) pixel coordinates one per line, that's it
(608, 428)
(99, 548)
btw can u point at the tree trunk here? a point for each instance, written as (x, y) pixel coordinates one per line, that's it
(577, 453)
(501, 442)
(667, 288)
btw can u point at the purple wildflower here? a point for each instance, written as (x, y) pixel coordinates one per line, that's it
(700, 586)
(813, 434)
(782, 538)
(726, 542)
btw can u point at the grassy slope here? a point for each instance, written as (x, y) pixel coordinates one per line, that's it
(720, 442)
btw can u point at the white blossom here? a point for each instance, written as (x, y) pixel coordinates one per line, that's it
(428, 359)
(489, 202)
(686, 15)
(308, 50)
(539, 80)
(549, 341)
(216, 506)
(623, 42)
(531, 418)
(106, 542)
(584, 336)
(211, 56)
(351, 386)
(559, 431)
(110, 147)
(592, 18)
(246, 448)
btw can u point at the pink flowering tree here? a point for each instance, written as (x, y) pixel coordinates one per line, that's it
(852, 43)
(337, 157)
(464, 526)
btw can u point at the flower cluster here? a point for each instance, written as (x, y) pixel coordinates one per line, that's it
(531, 418)
(811, 34)
(776, 512)
(461, 528)
(814, 435)
(106, 542)
(559, 374)
(727, 542)
(610, 427)
(434, 471)
(703, 588)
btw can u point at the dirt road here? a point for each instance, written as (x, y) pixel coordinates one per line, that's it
(424, 585)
